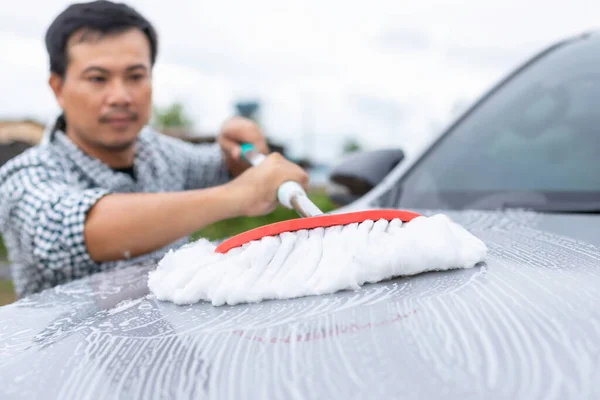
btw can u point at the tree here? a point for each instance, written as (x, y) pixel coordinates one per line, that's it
(172, 116)
(351, 145)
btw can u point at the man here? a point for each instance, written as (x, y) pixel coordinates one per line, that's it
(106, 190)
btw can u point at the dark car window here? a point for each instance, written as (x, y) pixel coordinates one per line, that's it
(535, 141)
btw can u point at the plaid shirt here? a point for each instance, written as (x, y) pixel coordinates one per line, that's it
(46, 192)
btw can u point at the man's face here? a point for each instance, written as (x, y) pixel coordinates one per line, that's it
(106, 94)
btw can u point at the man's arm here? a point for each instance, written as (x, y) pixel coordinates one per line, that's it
(132, 224)
(59, 226)
(68, 228)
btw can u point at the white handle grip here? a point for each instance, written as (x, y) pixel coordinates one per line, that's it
(254, 157)
(287, 191)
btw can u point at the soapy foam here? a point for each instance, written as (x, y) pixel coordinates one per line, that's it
(314, 262)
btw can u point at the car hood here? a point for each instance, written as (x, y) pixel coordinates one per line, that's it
(525, 324)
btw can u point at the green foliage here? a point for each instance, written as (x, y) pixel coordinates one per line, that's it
(223, 229)
(7, 292)
(351, 145)
(3, 253)
(172, 116)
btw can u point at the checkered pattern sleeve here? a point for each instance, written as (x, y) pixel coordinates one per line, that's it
(43, 216)
(203, 163)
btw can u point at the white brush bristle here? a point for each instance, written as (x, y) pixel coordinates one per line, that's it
(314, 262)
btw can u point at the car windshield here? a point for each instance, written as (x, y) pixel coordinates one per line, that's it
(534, 143)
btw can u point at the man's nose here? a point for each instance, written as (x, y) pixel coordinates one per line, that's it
(119, 94)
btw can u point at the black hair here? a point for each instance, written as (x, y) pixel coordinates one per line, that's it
(101, 17)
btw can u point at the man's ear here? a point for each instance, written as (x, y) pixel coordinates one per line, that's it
(56, 84)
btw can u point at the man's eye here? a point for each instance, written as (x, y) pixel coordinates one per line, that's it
(137, 77)
(96, 79)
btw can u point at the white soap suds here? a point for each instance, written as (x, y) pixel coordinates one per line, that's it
(314, 262)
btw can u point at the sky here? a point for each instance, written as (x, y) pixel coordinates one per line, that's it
(387, 73)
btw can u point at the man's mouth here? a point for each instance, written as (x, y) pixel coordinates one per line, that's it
(121, 120)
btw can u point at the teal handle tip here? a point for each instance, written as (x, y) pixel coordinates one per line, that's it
(246, 147)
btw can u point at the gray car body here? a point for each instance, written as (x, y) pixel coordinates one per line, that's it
(524, 324)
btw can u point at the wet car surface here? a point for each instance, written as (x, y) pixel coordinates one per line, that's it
(524, 324)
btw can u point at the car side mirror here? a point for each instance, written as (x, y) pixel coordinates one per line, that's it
(360, 172)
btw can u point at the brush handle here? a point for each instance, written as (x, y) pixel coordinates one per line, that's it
(251, 155)
(290, 194)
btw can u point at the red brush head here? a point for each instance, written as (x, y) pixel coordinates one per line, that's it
(321, 221)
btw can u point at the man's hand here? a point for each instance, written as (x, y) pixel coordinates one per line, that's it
(234, 132)
(255, 191)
